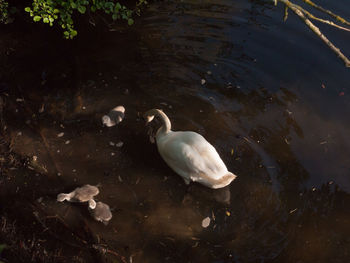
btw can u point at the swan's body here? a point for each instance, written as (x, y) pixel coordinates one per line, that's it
(190, 155)
(114, 117)
(82, 194)
(101, 213)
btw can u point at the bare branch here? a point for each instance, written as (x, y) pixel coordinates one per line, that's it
(339, 18)
(320, 19)
(299, 12)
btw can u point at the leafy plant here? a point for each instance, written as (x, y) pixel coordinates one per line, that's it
(3, 11)
(49, 11)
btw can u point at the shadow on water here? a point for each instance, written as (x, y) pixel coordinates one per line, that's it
(234, 72)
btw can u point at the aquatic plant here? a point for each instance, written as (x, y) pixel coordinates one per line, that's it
(62, 12)
(306, 15)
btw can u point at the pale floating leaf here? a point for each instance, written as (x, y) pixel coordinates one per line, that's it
(119, 144)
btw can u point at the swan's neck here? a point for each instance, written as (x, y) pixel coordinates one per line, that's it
(61, 197)
(69, 196)
(166, 125)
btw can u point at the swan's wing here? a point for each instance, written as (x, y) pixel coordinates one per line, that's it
(190, 154)
(180, 158)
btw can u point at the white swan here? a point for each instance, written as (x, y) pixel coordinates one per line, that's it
(189, 154)
(82, 194)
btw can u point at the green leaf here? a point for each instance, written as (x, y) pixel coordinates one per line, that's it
(93, 8)
(46, 20)
(36, 18)
(27, 9)
(130, 21)
(73, 5)
(73, 33)
(82, 9)
(109, 5)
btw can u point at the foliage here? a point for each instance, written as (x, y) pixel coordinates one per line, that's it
(62, 11)
(3, 11)
(6, 12)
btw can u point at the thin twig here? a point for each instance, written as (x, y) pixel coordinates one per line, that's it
(285, 17)
(320, 19)
(104, 250)
(339, 18)
(317, 31)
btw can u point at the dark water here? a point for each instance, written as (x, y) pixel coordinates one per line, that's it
(275, 104)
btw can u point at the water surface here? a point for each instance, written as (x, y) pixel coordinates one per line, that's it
(275, 104)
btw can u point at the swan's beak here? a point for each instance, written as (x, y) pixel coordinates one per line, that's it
(148, 119)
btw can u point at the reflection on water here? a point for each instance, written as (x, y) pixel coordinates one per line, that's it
(262, 105)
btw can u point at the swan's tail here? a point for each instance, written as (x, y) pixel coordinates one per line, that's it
(225, 180)
(216, 183)
(231, 176)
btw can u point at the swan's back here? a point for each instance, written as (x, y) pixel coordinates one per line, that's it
(191, 155)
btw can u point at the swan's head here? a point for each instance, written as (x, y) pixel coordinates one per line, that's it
(62, 197)
(92, 204)
(166, 125)
(106, 121)
(149, 115)
(148, 118)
